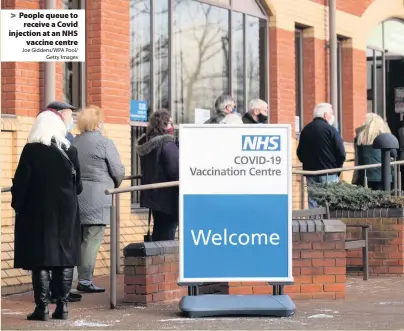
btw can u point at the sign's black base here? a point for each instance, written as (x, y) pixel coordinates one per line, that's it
(241, 305)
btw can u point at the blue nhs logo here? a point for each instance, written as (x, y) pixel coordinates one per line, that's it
(261, 143)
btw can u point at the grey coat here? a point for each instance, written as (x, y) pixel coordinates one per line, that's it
(101, 168)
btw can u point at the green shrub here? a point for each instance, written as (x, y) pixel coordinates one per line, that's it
(344, 196)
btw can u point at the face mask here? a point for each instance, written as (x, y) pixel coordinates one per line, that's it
(234, 110)
(262, 118)
(101, 126)
(170, 130)
(332, 120)
(69, 126)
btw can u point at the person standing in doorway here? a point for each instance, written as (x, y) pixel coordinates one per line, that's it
(321, 147)
(101, 168)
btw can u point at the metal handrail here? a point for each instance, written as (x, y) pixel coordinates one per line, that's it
(338, 170)
(128, 189)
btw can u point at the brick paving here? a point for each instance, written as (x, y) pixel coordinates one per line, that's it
(375, 304)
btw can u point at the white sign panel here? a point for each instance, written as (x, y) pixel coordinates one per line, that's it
(235, 203)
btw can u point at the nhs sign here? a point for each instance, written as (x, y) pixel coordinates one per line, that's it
(261, 143)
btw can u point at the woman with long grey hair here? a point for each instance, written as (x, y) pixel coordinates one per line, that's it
(47, 225)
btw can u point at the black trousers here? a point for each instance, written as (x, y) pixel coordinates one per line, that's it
(164, 226)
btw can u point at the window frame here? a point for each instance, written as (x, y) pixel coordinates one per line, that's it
(78, 93)
(264, 83)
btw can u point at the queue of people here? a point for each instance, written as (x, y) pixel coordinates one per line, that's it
(60, 205)
(321, 148)
(58, 188)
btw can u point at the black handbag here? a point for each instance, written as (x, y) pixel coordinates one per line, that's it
(148, 237)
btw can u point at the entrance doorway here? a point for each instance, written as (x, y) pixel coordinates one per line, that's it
(385, 70)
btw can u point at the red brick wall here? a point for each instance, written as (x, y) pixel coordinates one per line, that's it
(319, 261)
(282, 76)
(108, 53)
(154, 279)
(354, 96)
(315, 75)
(355, 7)
(386, 246)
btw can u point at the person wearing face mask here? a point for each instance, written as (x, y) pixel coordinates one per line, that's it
(258, 112)
(225, 111)
(159, 160)
(321, 147)
(66, 111)
(101, 168)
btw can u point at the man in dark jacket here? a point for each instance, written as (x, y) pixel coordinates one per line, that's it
(257, 112)
(321, 147)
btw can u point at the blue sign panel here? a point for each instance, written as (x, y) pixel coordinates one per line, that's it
(235, 203)
(138, 110)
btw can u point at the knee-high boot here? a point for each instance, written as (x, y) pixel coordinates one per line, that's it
(63, 278)
(40, 283)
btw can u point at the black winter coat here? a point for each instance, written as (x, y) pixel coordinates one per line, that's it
(44, 197)
(159, 160)
(320, 146)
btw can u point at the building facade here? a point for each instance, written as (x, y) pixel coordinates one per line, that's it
(182, 54)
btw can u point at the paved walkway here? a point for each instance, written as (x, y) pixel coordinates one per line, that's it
(375, 304)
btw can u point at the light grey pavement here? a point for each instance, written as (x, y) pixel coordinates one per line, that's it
(377, 304)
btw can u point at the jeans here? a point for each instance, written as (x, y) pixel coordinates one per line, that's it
(164, 226)
(92, 238)
(312, 180)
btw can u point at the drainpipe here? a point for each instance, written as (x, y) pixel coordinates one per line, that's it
(50, 69)
(333, 58)
(84, 68)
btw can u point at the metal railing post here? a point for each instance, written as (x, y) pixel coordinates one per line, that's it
(395, 180)
(112, 275)
(365, 180)
(118, 234)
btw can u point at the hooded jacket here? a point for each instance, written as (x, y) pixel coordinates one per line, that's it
(159, 160)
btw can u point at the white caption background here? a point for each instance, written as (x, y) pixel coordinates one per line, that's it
(53, 35)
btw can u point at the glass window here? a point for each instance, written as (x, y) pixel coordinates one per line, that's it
(379, 84)
(182, 57)
(393, 31)
(299, 79)
(238, 59)
(370, 87)
(253, 58)
(140, 61)
(72, 71)
(161, 54)
(200, 57)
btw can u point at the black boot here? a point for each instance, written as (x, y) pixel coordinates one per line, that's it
(63, 278)
(40, 283)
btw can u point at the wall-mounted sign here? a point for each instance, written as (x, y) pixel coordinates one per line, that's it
(138, 110)
(399, 99)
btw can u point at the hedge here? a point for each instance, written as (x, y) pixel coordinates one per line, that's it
(344, 196)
